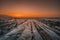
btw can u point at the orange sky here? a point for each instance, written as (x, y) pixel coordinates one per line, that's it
(29, 9)
(30, 14)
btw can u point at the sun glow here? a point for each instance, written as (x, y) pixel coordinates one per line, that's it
(28, 9)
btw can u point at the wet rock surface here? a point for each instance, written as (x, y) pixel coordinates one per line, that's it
(28, 29)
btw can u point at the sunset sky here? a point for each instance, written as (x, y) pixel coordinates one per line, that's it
(30, 8)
